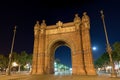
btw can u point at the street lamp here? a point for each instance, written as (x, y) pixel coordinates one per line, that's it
(108, 48)
(8, 71)
(14, 64)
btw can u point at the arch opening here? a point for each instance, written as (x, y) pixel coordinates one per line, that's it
(62, 61)
(61, 51)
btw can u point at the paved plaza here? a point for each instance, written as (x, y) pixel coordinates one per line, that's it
(56, 77)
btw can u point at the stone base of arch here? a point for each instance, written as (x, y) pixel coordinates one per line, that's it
(79, 72)
(91, 71)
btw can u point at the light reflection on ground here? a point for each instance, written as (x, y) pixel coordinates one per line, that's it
(63, 73)
(57, 76)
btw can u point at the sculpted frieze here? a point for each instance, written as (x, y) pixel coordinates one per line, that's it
(60, 30)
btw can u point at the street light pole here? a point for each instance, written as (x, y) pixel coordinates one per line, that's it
(8, 72)
(108, 48)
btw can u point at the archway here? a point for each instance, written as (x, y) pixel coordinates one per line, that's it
(74, 34)
(53, 46)
(54, 50)
(62, 61)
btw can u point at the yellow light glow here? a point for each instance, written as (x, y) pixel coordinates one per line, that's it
(14, 64)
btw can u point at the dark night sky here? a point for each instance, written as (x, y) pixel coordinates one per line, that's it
(24, 14)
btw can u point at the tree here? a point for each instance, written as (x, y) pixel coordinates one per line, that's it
(116, 51)
(3, 61)
(16, 57)
(102, 61)
(29, 58)
(21, 58)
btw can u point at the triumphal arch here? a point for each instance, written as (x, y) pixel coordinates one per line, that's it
(74, 34)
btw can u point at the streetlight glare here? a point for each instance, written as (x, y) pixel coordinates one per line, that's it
(14, 64)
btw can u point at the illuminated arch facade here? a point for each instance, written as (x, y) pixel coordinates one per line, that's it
(74, 34)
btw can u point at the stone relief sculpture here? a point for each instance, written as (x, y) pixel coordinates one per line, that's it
(36, 28)
(77, 19)
(43, 26)
(86, 20)
(59, 25)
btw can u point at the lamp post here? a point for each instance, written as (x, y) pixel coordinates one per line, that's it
(8, 72)
(108, 48)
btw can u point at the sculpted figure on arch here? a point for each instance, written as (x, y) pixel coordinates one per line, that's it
(86, 20)
(77, 19)
(36, 28)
